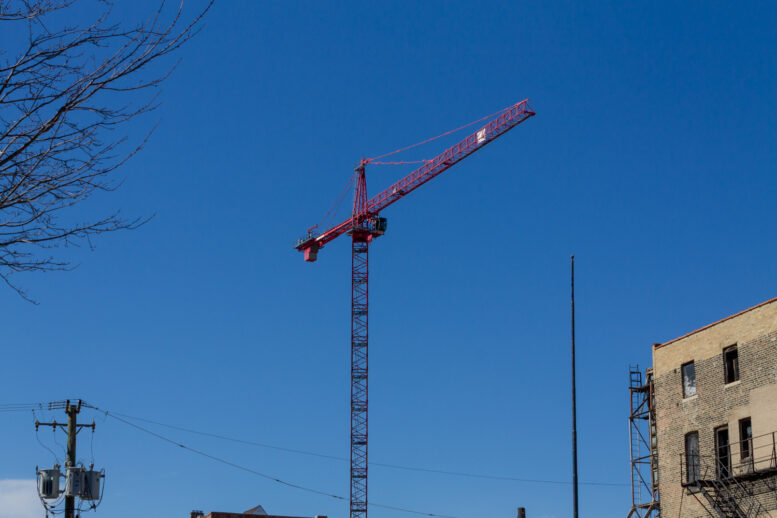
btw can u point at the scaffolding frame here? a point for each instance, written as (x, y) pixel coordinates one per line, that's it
(643, 446)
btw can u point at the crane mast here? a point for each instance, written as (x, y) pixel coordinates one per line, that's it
(361, 235)
(364, 225)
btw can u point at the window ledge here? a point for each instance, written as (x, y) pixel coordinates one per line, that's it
(732, 384)
(691, 398)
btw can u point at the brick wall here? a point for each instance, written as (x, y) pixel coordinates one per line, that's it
(715, 404)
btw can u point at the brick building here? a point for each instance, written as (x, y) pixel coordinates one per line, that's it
(714, 399)
(251, 513)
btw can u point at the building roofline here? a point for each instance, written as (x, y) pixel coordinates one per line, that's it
(658, 346)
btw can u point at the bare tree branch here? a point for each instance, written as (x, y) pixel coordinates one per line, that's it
(62, 95)
(28, 10)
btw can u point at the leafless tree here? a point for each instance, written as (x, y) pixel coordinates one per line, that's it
(65, 90)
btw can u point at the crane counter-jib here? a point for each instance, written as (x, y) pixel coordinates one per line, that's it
(501, 124)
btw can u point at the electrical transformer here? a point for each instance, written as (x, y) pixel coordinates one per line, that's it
(75, 481)
(48, 482)
(91, 485)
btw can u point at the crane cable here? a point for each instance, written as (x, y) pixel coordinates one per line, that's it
(400, 162)
(376, 161)
(336, 205)
(373, 160)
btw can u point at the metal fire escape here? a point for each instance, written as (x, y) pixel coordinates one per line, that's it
(726, 498)
(727, 489)
(643, 446)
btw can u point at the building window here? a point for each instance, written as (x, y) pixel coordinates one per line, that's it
(692, 457)
(689, 380)
(723, 452)
(731, 364)
(745, 438)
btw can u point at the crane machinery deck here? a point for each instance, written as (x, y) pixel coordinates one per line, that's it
(363, 226)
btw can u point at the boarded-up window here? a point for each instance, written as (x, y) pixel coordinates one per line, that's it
(689, 380)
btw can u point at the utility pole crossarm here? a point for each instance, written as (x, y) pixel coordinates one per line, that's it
(507, 120)
(68, 408)
(64, 425)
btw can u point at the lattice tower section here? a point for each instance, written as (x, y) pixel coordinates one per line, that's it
(359, 340)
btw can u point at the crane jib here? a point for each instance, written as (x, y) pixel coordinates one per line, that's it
(497, 127)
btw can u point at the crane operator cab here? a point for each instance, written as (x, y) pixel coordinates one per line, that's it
(378, 226)
(370, 228)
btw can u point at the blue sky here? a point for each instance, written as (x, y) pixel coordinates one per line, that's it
(651, 158)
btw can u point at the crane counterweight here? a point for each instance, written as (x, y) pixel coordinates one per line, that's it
(311, 253)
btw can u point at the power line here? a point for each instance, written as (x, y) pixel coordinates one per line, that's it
(37, 437)
(115, 415)
(21, 407)
(381, 464)
(233, 439)
(255, 472)
(494, 477)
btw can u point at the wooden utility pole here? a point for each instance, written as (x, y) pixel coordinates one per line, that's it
(70, 460)
(72, 411)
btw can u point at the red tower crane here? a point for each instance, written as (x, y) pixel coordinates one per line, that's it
(363, 226)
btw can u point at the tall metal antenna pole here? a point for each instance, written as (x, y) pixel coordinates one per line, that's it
(574, 399)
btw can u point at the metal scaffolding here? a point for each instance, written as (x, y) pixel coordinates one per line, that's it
(643, 446)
